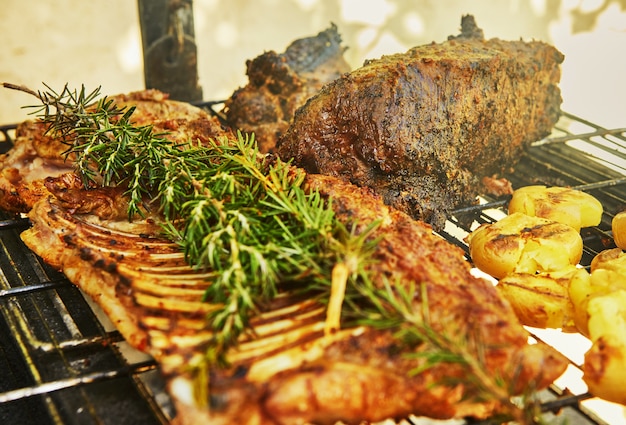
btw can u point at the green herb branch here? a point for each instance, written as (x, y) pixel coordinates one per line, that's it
(246, 217)
(405, 309)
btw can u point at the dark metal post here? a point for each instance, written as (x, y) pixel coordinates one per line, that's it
(169, 48)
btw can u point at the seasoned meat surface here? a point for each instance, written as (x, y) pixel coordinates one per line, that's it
(36, 154)
(281, 82)
(33, 157)
(289, 371)
(422, 128)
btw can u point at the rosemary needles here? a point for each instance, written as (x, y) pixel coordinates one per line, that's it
(243, 216)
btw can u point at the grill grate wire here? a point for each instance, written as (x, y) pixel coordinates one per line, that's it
(62, 362)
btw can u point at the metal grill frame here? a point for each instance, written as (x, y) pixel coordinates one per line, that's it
(62, 362)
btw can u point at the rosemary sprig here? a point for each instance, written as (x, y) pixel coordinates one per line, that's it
(244, 216)
(108, 149)
(393, 306)
(253, 223)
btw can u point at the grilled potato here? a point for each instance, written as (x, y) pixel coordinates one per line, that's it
(600, 313)
(561, 204)
(542, 300)
(603, 368)
(608, 276)
(580, 292)
(618, 225)
(604, 371)
(610, 259)
(523, 244)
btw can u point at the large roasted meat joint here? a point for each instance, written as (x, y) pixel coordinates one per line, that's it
(425, 127)
(307, 292)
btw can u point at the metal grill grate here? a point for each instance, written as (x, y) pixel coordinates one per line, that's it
(62, 362)
(578, 154)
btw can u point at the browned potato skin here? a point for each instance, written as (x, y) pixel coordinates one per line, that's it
(604, 369)
(618, 225)
(524, 244)
(610, 259)
(542, 300)
(561, 204)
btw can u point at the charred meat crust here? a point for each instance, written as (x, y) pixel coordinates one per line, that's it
(281, 82)
(422, 128)
(357, 374)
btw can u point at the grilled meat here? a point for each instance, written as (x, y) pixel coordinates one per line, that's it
(33, 157)
(281, 82)
(290, 371)
(37, 154)
(424, 127)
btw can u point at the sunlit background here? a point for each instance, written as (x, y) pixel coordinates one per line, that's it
(97, 43)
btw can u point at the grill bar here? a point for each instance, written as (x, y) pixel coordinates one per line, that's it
(59, 357)
(62, 362)
(49, 387)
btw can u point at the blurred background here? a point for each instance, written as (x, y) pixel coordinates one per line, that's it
(98, 42)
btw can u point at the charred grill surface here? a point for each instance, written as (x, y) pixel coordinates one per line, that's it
(281, 82)
(423, 128)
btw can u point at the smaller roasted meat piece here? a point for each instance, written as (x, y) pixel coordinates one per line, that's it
(37, 155)
(423, 128)
(33, 157)
(279, 83)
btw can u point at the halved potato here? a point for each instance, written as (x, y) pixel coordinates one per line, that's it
(604, 371)
(580, 292)
(618, 225)
(542, 300)
(608, 275)
(561, 204)
(610, 259)
(600, 314)
(607, 316)
(524, 244)
(602, 282)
